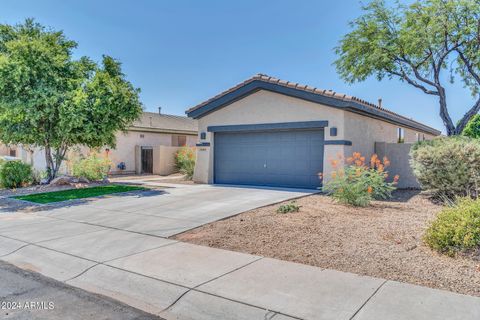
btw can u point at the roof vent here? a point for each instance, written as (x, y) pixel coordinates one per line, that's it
(380, 102)
(159, 110)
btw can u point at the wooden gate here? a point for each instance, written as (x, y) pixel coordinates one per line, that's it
(147, 160)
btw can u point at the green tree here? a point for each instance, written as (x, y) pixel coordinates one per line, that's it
(472, 129)
(417, 44)
(50, 100)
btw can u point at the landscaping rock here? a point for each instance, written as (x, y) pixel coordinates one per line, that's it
(63, 181)
(83, 180)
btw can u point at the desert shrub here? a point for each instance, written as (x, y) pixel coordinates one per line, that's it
(14, 174)
(456, 228)
(289, 207)
(185, 161)
(93, 167)
(357, 183)
(38, 176)
(448, 167)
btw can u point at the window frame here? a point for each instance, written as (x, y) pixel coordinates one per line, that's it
(400, 135)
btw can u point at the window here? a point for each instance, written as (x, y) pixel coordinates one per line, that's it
(400, 135)
(420, 136)
(13, 153)
(179, 141)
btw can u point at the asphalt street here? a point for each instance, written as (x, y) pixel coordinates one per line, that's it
(26, 295)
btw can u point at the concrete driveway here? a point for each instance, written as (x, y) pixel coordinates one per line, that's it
(117, 247)
(173, 210)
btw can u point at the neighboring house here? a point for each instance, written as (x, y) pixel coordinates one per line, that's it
(271, 132)
(150, 142)
(147, 147)
(8, 150)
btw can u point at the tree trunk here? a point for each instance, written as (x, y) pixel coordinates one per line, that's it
(53, 165)
(466, 117)
(447, 121)
(49, 161)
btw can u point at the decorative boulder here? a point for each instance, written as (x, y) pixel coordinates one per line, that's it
(83, 180)
(62, 181)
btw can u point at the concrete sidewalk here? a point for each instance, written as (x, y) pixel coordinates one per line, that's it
(183, 281)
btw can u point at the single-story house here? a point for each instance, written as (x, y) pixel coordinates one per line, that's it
(272, 132)
(10, 151)
(148, 146)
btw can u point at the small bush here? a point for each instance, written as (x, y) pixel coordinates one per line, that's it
(93, 167)
(448, 167)
(289, 207)
(357, 184)
(15, 174)
(456, 228)
(472, 129)
(185, 161)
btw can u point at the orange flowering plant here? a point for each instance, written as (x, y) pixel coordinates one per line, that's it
(358, 182)
(185, 161)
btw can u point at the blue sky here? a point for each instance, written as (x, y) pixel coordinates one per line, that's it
(183, 52)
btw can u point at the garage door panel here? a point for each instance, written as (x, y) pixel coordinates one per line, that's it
(276, 158)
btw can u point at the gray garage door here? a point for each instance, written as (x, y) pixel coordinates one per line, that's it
(278, 158)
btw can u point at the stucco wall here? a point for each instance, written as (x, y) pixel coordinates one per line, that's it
(399, 153)
(4, 150)
(365, 131)
(265, 107)
(125, 149)
(164, 160)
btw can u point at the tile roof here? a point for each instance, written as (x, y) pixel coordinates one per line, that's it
(165, 122)
(321, 92)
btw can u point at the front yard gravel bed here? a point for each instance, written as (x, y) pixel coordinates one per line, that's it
(383, 240)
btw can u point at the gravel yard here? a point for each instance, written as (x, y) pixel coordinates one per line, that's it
(383, 240)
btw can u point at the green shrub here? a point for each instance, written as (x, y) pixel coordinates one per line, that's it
(456, 228)
(15, 174)
(357, 184)
(472, 129)
(93, 167)
(448, 167)
(185, 161)
(289, 207)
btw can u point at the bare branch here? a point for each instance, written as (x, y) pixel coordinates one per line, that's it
(414, 83)
(469, 66)
(417, 73)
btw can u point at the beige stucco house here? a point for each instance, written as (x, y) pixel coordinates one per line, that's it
(147, 147)
(271, 132)
(8, 150)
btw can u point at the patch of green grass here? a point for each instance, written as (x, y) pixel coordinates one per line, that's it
(57, 196)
